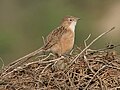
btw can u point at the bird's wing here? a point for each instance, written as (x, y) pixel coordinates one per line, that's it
(54, 37)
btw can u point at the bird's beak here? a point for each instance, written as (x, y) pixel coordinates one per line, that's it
(78, 19)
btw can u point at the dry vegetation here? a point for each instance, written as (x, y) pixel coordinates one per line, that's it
(81, 70)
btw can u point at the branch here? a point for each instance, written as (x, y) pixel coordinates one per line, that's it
(94, 76)
(85, 41)
(85, 59)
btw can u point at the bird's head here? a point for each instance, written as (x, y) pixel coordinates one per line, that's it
(70, 22)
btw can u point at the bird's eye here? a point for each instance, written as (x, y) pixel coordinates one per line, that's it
(70, 19)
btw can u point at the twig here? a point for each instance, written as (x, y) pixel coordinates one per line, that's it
(56, 83)
(47, 57)
(78, 48)
(94, 76)
(115, 88)
(108, 47)
(114, 67)
(43, 40)
(45, 68)
(85, 41)
(2, 62)
(88, 47)
(53, 60)
(41, 56)
(5, 74)
(85, 59)
(71, 52)
(110, 66)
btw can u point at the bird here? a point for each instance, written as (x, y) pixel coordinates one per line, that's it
(61, 40)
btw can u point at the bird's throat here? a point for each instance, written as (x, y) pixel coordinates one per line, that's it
(72, 26)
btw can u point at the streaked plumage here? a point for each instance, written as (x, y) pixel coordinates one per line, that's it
(61, 39)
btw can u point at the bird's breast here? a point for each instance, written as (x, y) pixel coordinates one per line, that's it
(67, 41)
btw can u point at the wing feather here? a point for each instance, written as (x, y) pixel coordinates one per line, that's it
(54, 37)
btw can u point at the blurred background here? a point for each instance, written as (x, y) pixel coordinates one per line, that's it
(24, 22)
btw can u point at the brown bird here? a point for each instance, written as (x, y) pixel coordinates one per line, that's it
(61, 39)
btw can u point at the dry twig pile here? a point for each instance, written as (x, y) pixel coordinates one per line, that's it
(89, 70)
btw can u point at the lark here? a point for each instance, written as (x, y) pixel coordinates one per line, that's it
(60, 40)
